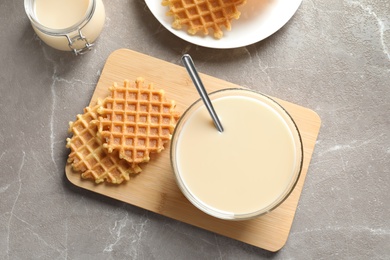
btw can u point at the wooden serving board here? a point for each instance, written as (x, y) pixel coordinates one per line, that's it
(155, 188)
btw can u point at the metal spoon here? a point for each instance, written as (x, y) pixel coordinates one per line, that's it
(189, 64)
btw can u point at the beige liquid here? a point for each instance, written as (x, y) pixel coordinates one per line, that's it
(244, 169)
(62, 14)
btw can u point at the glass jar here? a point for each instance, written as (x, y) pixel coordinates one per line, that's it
(67, 25)
(248, 169)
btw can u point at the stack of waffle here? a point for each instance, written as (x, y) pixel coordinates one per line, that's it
(112, 138)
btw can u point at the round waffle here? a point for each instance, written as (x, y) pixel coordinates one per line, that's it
(136, 121)
(88, 155)
(202, 15)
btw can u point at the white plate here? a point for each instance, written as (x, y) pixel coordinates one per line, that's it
(259, 19)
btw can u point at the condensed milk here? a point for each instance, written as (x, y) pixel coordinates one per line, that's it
(68, 25)
(248, 169)
(60, 14)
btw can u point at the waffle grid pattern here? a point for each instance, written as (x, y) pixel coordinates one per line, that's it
(136, 121)
(202, 15)
(88, 155)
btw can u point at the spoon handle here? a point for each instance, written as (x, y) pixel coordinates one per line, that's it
(189, 64)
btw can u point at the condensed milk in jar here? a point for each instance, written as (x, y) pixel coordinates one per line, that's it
(67, 25)
(245, 171)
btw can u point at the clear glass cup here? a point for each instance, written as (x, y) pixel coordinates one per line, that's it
(79, 34)
(237, 180)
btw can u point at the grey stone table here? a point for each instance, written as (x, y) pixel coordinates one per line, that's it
(332, 57)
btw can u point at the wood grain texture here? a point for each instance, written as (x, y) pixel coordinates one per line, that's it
(155, 188)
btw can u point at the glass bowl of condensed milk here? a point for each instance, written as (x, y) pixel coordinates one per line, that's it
(67, 25)
(247, 170)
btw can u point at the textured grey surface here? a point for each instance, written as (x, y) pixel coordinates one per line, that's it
(332, 57)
